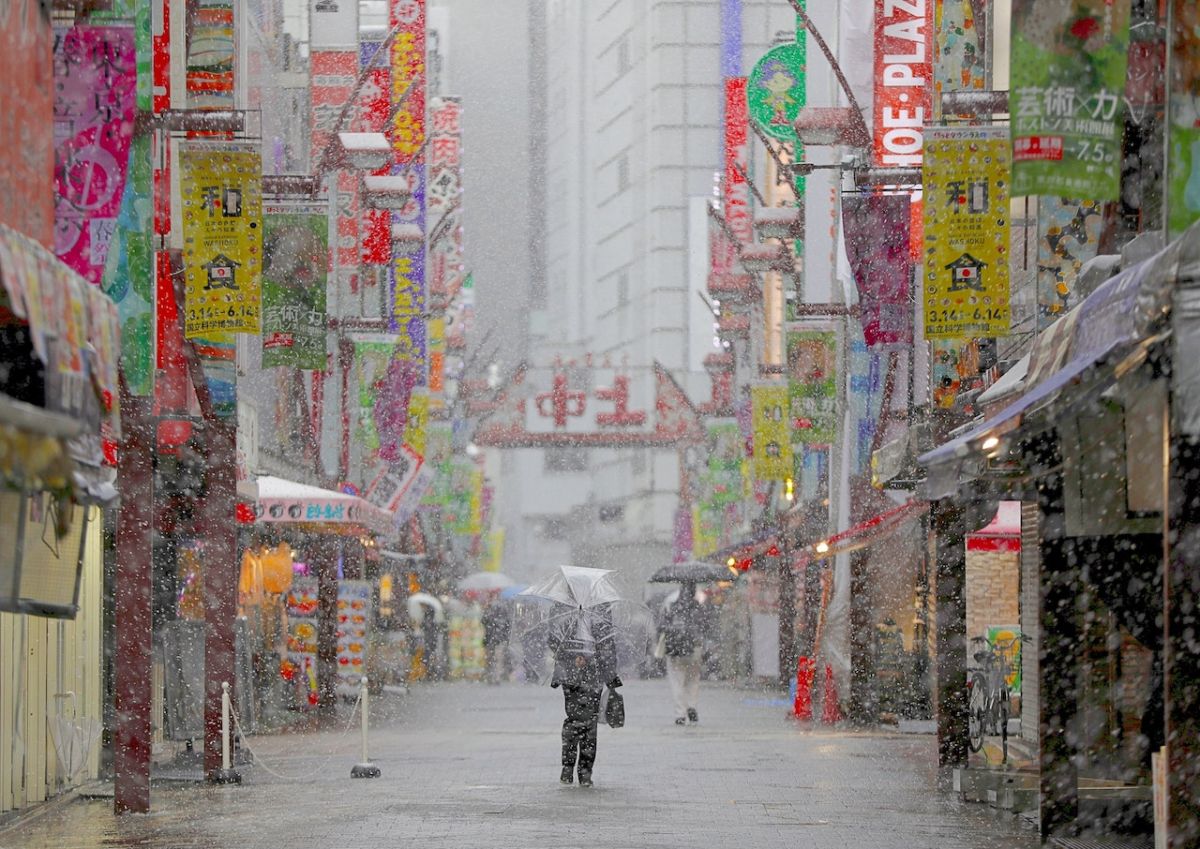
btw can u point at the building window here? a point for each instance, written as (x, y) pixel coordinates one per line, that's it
(623, 288)
(554, 529)
(610, 513)
(565, 459)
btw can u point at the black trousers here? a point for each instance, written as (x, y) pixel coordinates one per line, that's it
(579, 728)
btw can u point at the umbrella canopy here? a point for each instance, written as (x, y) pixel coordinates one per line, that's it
(577, 586)
(692, 572)
(417, 601)
(510, 593)
(485, 582)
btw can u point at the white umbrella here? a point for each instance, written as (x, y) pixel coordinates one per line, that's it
(416, 601)
(577, 586)
(485, 581)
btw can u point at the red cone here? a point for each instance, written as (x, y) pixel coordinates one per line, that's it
(802, 706)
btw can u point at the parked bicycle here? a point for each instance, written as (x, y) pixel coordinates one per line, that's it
(988, 695)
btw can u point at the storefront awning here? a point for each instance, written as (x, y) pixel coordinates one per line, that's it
(284, 501)
(1105, 335)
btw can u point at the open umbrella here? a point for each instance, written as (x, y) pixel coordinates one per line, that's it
(691, 572)
(417, 601)
(485, 582)
(577, 586)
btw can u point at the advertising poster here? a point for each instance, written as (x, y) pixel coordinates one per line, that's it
(1183, 130)
(406, 306)
(1007, 638)
(717, 510)
(958, 46)
(353, 622)
(211, 54)
(1068, 236)
(95, 79)
(221, 190)
(812, 360)
(1068, 84)
(295, 272)
(772, 435)
(299, 666)
(876, 231)
(966, 178)
(128, 271)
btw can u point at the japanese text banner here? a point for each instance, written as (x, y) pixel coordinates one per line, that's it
(966, 232)
(1068, 76)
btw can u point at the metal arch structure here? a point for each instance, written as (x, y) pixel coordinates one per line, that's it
(672, 421)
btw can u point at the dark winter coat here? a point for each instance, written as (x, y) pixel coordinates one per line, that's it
(590, 664)
(681, 626)
(497, 624)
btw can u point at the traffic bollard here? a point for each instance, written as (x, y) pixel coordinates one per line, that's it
(226, 774)
(802, 705)
(364, 768)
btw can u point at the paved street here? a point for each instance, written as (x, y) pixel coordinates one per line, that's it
(467, 765)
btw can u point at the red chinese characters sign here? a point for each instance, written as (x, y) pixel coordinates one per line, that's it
(737, 190)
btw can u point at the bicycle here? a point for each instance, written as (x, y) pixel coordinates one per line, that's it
(988, 694)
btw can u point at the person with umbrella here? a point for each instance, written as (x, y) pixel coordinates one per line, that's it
(582, 638)
(681, 637)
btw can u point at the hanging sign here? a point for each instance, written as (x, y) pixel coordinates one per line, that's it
(95, 81)
(1068, 236)
(221, 190)
(772, 436)
(877, 233)
(1183, 120)
(966, 176)
(295, 272)
(902, 80)
(1068, 82)
(775, 91)
(812, 357)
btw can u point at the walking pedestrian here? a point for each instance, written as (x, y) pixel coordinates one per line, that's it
(497, 627)
(584, 645)
(681, 635)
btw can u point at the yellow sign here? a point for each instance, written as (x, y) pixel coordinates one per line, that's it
(221, 191)
(772, 433)
(966, 179)
(418, 416)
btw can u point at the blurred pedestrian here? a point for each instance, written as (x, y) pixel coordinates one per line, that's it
(497, 628)
(584, 645)
(682, 642)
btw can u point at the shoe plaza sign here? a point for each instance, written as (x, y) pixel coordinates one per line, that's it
(580, 404)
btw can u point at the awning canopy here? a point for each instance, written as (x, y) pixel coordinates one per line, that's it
(281, 500)
(1106, 334)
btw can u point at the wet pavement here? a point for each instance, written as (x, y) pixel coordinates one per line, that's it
(468, 765)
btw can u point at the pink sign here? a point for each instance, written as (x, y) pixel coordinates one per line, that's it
(95, 78)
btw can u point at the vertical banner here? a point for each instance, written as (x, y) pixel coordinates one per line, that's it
(717, 511)
(407, 301)
(128, 271)
(1183, 120)
(221, 191)
(332, 74)
(444, 198)
(966, 232)
(1068, 236)
(374, 106)
(958, 48)
(211, 54)
(877, 246)
(294, 278)
(812, 364)
(772, 435)
(95, 77)
(26, 110)
(903, 72)
(737, 131)
(1068, 83)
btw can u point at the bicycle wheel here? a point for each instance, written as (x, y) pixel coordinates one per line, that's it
(976, 711)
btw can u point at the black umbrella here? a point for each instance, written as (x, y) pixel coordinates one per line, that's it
(692, 572)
